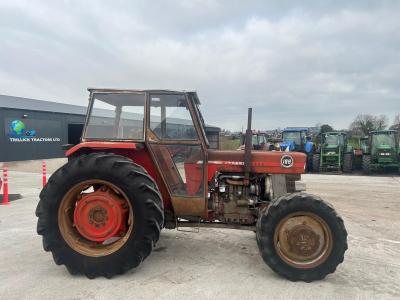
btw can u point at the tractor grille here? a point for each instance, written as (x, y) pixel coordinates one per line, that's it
(385, 156)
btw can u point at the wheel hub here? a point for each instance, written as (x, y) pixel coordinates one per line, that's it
(303, 240)
(100, 215)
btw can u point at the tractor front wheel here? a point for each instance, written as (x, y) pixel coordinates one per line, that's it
(100, 215)
(301, 237)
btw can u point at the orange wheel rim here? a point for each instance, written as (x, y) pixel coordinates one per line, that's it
(95, 218)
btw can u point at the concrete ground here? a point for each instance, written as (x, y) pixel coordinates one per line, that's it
(215, 264)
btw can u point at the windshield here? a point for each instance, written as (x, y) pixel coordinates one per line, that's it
(334, 139)
(116, 116)
(383, 139)
(292, 136)
(170, 118)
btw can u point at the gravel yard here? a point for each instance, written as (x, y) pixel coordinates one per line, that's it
(215, 263)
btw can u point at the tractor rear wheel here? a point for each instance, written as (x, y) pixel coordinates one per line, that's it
(315, 162)
(348, 163)
(301, 237)
(366, 164)
(100, 215)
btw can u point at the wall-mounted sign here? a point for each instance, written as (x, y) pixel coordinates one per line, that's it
(19, 131)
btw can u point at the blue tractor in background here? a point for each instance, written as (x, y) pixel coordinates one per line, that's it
(296, 139)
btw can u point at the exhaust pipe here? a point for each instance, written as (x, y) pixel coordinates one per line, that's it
(248, 147)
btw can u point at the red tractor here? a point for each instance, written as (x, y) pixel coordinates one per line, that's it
(102, 212)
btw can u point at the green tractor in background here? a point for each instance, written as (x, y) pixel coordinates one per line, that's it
(334, 153)
(381, 152)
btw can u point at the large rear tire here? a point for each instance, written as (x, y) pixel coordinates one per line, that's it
(366, 164)
(301, 237)
(316, 162)
(95, 192)
(348, 163)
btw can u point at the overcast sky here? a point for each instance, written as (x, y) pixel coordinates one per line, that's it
(297, 63)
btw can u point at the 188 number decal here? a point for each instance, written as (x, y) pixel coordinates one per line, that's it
(287, 161)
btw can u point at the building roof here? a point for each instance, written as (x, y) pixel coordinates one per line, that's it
(40, 105)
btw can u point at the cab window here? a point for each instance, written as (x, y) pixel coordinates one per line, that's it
(170, 118)
(116, 116)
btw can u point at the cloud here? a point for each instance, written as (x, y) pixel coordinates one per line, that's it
(295, 64)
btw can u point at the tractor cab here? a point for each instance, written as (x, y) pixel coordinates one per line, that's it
(294, 139)
(333, 141)
(382, 151)
(383, 143)
(165, 127)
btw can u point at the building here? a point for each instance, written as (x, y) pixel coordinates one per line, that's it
(35, 129)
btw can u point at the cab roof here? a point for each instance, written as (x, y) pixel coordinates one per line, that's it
(112, 90)
(335, 133)
(383, 131)
(93, 89)
(295, 129)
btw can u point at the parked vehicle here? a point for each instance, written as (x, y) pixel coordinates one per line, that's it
(102, 212)
(334, 153)
(381, 152)
(296, 139)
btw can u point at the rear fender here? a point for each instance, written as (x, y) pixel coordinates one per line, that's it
(137, 152)
(100, 145)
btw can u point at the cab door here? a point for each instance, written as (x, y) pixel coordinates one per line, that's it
(174, 139)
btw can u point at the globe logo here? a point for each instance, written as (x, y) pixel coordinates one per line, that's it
(17, 127)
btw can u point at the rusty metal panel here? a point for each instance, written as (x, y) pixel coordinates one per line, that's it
(185, 206)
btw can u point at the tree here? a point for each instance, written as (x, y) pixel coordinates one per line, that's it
(381, 122)
(364, 123)
(326, 128)
(396, 123)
